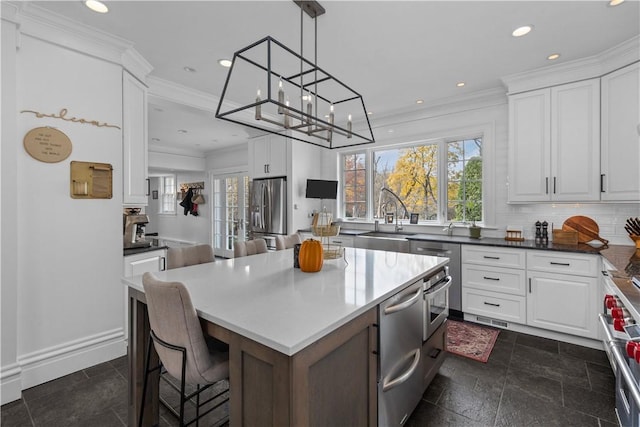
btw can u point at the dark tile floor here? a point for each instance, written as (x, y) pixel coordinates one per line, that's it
(528, 381)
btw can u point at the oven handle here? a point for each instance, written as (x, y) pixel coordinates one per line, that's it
(623, 368)
(389, 384)
(405, 304)
(440, 286)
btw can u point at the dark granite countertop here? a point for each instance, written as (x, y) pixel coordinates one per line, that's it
(626, 260)
(134, 251)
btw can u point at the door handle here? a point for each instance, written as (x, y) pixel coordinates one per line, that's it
(405, 304)
(388, 384)
(164, 263)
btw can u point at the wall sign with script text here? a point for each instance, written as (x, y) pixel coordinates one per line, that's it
(47, 144)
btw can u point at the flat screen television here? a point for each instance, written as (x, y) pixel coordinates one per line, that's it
(321, 189)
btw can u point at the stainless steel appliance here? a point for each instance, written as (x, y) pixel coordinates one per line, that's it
(268, 206)
(451, 251)
(134, 236)
(436, 301)
(624, 355)
(400, 381)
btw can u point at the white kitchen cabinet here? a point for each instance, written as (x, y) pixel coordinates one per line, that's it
(135, 182)
(268, 156)
(493, 282)
(620, 142)
(554, 143)
(563, 302)
(342, 240)
(151, 261)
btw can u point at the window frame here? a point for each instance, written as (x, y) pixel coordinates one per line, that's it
(162, 193)
(485, 131)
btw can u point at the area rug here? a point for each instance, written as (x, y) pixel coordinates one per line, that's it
(470, 340)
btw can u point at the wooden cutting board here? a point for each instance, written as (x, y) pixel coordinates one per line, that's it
(586, 227)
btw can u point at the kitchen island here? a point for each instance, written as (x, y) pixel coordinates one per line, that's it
(302, 346)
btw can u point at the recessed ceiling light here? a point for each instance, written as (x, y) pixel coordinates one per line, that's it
(96, 6)
(419, 101)
(182, 131)
(521, 31)
(460, 84)
(390, 131)
(189, 69)
(369, 113)
(226, 63)
(615, 2)
(553, 56)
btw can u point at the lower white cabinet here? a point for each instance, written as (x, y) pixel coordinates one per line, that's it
(551, 290)
(563, 303)
(152, 261)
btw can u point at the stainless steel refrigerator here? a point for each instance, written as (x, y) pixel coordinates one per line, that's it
(268, 206)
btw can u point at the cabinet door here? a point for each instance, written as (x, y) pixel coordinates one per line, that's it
(134, 141)
(259, 157)
(620, 148)
(575, 141)
(135, 265)
(563, 303)
(277, 156)
(529, 146)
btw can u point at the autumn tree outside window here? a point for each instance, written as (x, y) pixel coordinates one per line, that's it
(416, 173)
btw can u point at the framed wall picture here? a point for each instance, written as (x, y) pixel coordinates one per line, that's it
(154, 194)
(389, 218)
(413, 219)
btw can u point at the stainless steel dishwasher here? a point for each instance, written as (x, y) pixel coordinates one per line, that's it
(451, 251)
(400, 381)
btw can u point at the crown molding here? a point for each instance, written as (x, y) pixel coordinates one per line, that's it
(170, 91)
(51, 27)
(9, 12)
(581, 69)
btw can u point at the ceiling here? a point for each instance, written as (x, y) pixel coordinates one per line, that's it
(392, 52)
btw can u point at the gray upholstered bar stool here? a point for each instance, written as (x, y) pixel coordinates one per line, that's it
(250, 247)
(287, 242)
(189, 255)
(182, 348)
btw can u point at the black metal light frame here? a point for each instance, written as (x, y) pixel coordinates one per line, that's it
(310, 129)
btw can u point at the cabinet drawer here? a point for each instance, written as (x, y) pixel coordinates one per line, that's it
(498, 306)
(494, 279)
(557, 262)
(496, 257)
(346, 241)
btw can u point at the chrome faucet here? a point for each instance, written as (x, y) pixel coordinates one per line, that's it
(395, 205)
(449, 229)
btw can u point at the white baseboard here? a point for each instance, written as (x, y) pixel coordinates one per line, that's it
(54, 362)
(558, 336)
(10, 383)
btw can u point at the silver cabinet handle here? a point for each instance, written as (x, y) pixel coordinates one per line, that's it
(405, 304)
(388, 383)
(436, 252)
(443, 284)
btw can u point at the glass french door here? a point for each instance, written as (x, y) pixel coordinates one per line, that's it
(230, 212)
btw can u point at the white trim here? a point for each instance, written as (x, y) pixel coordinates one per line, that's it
(581, 69)
(10, 383)
(54, 362)
(174, 92)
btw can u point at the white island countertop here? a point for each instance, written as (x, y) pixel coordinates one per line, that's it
(264, 298)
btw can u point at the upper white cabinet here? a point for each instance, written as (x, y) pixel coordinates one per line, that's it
(620, 138)
(268, 156)
(554, 143)
(135, 181)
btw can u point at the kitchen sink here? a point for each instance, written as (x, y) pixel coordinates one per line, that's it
(386, 235)
(384, 241)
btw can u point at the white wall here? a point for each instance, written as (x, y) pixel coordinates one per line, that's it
(62, 297)
(188, 228)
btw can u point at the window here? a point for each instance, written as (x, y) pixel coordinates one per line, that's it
(354, 194)
(441, 181)
(168, 194)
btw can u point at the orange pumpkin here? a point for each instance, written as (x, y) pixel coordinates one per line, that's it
(311, 256)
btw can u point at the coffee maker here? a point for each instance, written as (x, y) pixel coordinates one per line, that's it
(134, 231)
